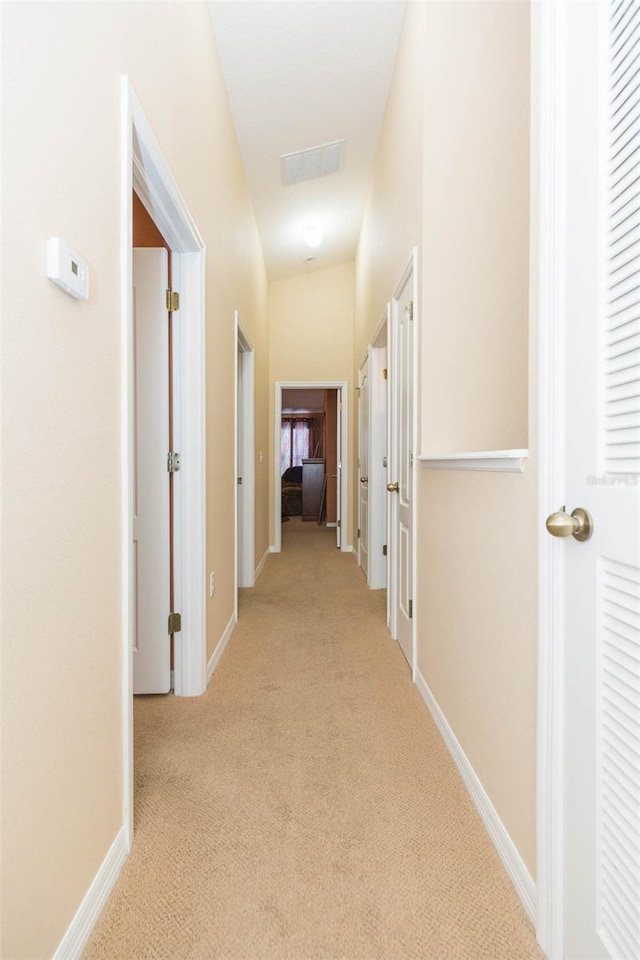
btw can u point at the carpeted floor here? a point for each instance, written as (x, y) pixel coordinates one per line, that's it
(305, 807)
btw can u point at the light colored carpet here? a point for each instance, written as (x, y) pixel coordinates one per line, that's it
(305, 807)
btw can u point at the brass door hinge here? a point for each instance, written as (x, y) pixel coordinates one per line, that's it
(385, 374)
(173, 301)
(410, 309)
(173, 462)
(358, 533)
(239, 481)
(410, 609)
(384, 549)
(175, 623)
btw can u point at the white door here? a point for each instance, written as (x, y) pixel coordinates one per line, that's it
(602, 430)
(400, 486)
(339, 470)
(363, 467)
(377, 470)
(239, 465)
(151, 653)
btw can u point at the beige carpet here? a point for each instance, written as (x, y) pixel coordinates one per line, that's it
(306, 807)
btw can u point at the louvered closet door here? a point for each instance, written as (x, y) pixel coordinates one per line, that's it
(602, 662)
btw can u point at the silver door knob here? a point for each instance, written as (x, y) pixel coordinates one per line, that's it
(393, 487)
(578, 524)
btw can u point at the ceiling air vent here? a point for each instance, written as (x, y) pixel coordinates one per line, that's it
(310, 164)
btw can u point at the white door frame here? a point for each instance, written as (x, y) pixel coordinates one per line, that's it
(410, 270)
(548, 89)
(343, 464)
(144, 168)
(245, 492)
(365, 360)
(378, 530)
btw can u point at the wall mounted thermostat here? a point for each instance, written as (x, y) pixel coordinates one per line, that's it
(67, 269)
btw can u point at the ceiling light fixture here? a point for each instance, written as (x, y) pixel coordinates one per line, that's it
(312, 236)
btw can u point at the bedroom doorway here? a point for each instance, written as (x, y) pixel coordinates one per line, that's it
(310, 475)
(245, 459)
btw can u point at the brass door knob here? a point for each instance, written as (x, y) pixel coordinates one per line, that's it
(578, 524)
(393, 487)
(364, 479)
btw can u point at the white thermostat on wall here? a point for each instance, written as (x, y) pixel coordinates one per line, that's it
(67, 269)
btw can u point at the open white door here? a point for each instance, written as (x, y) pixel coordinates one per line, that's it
(400, 486)
(339, 470)
(151, 642)
(377, 470)
(240, 415)
(363, 468)
(602, 470)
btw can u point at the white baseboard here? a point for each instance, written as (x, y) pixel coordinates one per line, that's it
(260, 566)
(354, 551)
(81, 927)
(331, 523)
(507, 851)
(214, 659)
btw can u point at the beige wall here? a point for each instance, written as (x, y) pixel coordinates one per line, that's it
(311, 335)
(452, 176)
(62, 625)
(476, 209)
(392, 222)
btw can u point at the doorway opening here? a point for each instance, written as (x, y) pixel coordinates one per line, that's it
(310, 475)
(146, 173)
(373, 446)
(244, 458)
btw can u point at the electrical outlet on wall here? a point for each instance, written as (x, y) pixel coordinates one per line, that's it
(212, 583)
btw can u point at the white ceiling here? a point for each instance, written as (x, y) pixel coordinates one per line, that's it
(300, 74)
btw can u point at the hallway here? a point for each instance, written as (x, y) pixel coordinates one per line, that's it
(305, 806)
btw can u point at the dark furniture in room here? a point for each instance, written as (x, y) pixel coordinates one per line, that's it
(292, 492)
(312, 488)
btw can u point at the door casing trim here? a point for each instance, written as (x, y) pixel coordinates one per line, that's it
(245, 493)
(343, 386)
(548, 232)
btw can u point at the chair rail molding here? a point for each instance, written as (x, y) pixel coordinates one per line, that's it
(497, 461)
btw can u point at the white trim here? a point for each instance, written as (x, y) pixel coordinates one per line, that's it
(190, 562)
(144, 168)
(354, 551)
(126, 449)
(214, 659)
(548, 184)
(260, 566)
(505, 847)
(343, 387)
(501, 461)
(81, 927)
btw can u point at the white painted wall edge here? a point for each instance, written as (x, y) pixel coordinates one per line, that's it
(260, 566)
(81, 927)
(500, 461)
(507, 851)
(214, 659)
